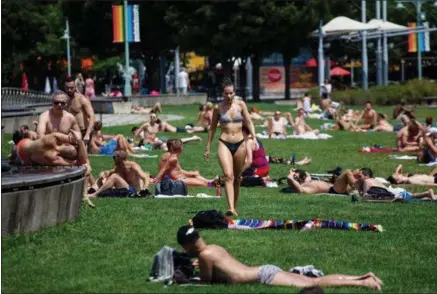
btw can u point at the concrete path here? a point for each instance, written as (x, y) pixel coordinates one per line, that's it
(132, 118)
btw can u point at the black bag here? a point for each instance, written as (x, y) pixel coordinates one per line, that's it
(252, 182)
(116, 192)
(171, 187)
(183, 268)
(379, 193)
(210, 219)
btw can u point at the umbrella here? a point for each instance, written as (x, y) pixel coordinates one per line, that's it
(338, 71)
(313, 62)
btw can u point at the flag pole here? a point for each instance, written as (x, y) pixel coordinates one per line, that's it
(127, 77)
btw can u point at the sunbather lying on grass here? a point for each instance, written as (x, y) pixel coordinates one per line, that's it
(216, 265)
(398, 177)
(301, 182)
(365, 184)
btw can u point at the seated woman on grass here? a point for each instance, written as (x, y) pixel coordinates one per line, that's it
(256, 162)
(107, 144)
(299, 124)
(170, 167)
(382, 125)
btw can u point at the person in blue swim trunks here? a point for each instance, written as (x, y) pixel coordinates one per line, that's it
(126, 174)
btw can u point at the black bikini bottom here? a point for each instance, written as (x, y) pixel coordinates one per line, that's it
(233, 147)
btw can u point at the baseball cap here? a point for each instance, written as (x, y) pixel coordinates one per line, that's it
(187, 234)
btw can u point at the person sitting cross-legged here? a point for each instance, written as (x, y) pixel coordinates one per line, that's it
(169, 166)
(217, 266)
(301, 182)
(126, 174)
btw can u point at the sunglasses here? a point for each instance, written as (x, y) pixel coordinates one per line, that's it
(63, 103)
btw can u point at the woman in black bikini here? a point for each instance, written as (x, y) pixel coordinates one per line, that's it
(231, 148)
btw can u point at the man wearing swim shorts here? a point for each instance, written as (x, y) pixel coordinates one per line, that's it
(398, 177)
(216, 265)
(301, 182)
(126, 174)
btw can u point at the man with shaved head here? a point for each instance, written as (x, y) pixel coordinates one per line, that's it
(57, 119)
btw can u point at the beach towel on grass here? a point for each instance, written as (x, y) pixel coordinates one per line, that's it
(378, 150)
(307, 136)
(403, 157)
(300, 225)
(143, 155)
(199, 195)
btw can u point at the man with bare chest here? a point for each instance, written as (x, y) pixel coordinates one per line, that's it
(81, 108)
(126, 174)
(148, 132)
(369, 117)
(56, 119)
(216, 265)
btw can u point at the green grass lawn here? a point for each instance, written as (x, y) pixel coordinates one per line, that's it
(110, 248)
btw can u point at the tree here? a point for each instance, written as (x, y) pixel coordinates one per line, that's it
(30, 29)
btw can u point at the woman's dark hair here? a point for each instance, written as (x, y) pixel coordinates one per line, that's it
(16, 137)
(98, 125)
(200, 107)
(428, 120)
(367, 172)
(300, 175)
(227, 82)
(158, 121)
(391, 180)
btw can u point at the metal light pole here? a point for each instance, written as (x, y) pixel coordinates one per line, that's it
(176, 69)
(419, 51)
(127, 77)
(378, 48)
(66, 36)
(364, 61)
(321, 63)
(403, 70)
(384, 45)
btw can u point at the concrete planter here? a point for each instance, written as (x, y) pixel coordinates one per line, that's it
(35, 198)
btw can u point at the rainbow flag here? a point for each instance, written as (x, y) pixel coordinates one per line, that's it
(418, 41)
(133, 24)
(412, 39)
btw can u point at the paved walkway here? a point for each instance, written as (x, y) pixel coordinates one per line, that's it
(132, 118)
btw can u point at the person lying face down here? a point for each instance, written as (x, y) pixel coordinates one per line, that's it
(216, 265)
(52, 149)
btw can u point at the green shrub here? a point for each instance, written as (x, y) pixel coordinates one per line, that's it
(411, 92)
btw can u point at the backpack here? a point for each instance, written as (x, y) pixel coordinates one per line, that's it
(378, 193)
(171, 187)
(170, 266)
(210, 219)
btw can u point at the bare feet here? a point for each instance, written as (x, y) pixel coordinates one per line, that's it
(231, 212)
(197, 138)
(432, 195)
(371, 281)
(92, 195)
(88, 201)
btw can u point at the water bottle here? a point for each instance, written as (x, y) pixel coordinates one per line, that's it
(219, 190)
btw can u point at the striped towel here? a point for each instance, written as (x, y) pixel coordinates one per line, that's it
(300, 225)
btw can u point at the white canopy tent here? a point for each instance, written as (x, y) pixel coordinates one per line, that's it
(386, 26)
(342, 25)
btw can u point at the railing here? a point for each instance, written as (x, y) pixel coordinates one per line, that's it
(15, 97)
